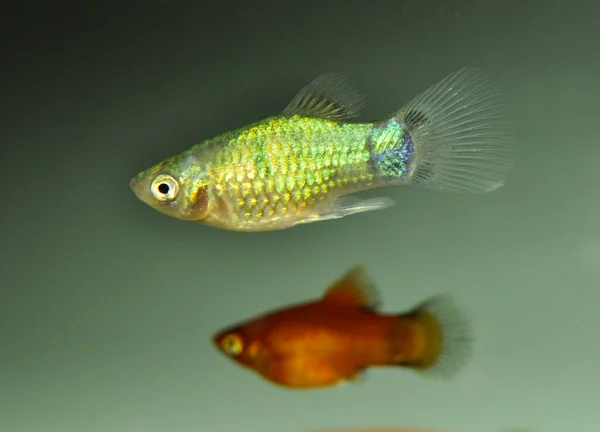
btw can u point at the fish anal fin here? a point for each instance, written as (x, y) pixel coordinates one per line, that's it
(349, 205)
(356, 377)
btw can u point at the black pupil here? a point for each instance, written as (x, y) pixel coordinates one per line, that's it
(163, 188)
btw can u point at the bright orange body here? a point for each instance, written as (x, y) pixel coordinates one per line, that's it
(319, 344)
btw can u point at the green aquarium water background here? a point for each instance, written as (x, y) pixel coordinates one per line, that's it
(107, 307)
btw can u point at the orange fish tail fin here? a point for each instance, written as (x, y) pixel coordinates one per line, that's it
(445, 337)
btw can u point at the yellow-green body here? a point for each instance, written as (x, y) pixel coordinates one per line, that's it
(282, 171)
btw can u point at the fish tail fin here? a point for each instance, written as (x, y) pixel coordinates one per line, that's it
(444, 342)
(460, 139)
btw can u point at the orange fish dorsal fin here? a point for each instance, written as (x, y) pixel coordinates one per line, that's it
(354, 289)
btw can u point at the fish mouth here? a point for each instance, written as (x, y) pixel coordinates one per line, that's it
(136, 186)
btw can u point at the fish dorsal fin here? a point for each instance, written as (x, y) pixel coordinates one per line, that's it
(353, 289)
(329, 96)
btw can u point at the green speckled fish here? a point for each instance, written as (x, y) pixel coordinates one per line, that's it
(308, 163)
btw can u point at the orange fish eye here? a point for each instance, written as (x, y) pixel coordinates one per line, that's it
(232, 344)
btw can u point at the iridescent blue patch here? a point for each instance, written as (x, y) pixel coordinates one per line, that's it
(392, 150)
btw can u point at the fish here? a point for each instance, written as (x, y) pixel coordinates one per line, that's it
(310, 162)
(335, 338)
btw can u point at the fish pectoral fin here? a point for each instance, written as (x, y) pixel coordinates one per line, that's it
(328, 96)
(348, 205)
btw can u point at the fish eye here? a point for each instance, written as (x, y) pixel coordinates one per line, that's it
(232, 344)
(165, 187)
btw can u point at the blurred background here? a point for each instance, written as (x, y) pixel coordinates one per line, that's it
(107, 306)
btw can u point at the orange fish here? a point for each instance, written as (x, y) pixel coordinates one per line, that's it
(336, 337)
